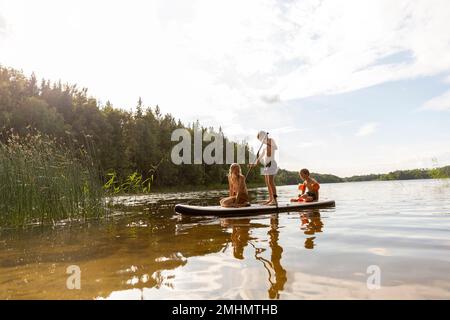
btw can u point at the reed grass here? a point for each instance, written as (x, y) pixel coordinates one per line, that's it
(43, 181)
(132, 184)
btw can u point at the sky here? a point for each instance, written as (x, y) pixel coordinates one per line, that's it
(345, 87)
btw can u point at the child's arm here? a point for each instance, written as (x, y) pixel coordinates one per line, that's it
(241, 181)
(258, 158)
(302, 189)
(315, 185)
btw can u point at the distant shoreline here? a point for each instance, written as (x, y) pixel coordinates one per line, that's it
(291, 177)
(223, 187)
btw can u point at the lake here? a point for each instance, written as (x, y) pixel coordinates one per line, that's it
(394, 233)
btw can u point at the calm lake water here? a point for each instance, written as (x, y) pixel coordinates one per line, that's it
(146, 251)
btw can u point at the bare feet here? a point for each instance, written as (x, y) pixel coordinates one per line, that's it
(273, 203)
(247, 204)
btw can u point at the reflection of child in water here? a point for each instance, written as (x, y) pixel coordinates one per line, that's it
(239, 236)
(311, 223)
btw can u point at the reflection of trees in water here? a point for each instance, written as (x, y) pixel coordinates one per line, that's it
(311, 224)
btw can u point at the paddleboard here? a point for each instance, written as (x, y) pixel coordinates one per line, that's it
(253, 209)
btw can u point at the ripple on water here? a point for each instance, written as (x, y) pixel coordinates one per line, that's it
(146, 251)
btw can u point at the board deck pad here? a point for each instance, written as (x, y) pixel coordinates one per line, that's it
(253, 209)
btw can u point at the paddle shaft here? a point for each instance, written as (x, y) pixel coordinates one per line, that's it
(257, 155)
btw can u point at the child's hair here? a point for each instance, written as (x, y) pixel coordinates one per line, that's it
(305, 172)
(234, 165)
(262, 135)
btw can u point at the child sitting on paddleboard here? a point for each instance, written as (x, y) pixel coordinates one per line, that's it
(238, 189)
(309, 188)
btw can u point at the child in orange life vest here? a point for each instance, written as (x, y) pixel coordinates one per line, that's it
(308, 183)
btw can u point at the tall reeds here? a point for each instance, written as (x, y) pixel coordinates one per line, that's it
(43, 181)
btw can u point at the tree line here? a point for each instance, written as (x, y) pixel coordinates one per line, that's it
(126, 143)
(292, 177)
(122, 142)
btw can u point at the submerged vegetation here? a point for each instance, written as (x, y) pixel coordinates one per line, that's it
(43, 181)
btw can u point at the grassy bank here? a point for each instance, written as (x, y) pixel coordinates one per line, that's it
(44, 182)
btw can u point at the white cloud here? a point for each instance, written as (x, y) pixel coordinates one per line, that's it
(351, 36)
(286, 129)
(439, 103)
(2, 25)
(447, 79)
(342, 123)
(270, 98)
(367, 129)
(215, 55)
(310, 144)
(228, 63)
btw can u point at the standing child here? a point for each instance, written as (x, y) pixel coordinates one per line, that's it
(267, 159)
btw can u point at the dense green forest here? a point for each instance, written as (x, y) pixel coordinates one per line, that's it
(61, 152)
(122, 142)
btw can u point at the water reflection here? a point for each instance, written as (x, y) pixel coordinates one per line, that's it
(258, 235)
(311, 223)
(146, 251)
(240, 235)
(277, 250)
(151, 252)
(241, 238)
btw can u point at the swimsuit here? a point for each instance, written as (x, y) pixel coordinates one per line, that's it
(269, 163)
(312, 194)
(243, 198)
